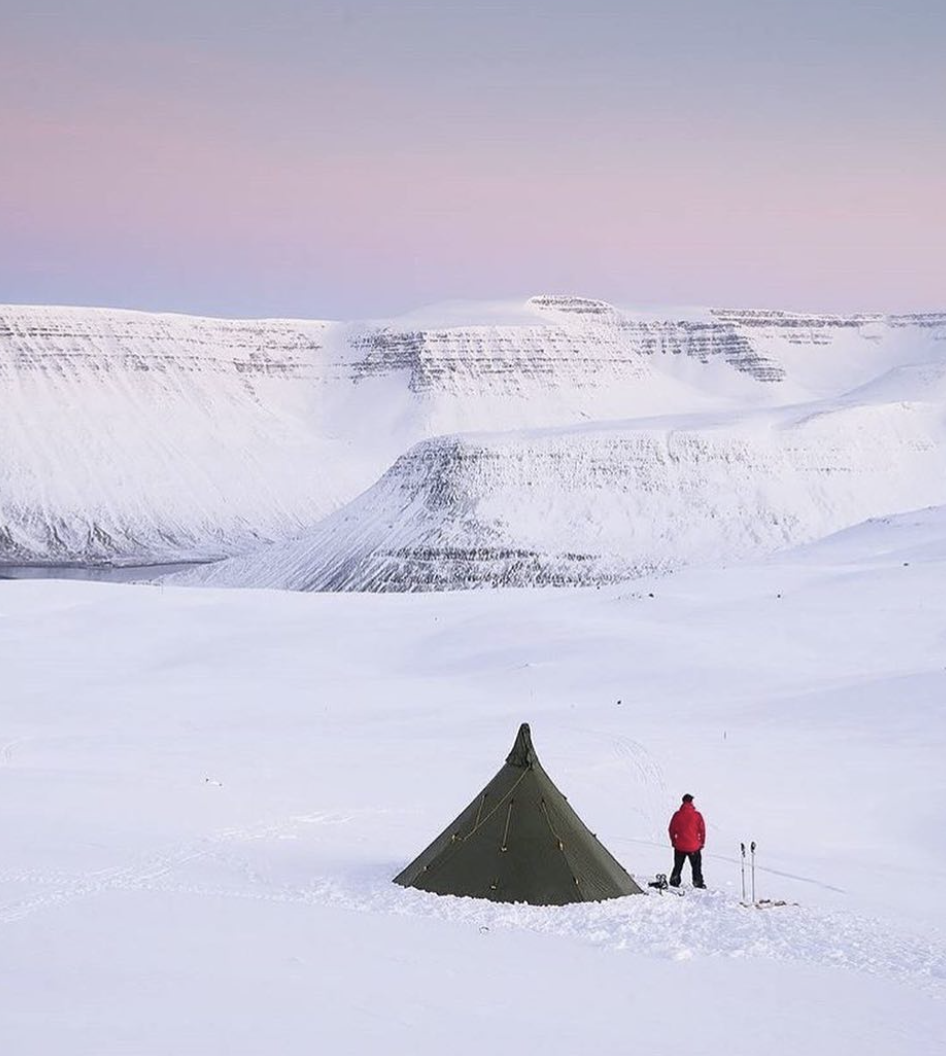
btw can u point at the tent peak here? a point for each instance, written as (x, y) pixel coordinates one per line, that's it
(522, 754)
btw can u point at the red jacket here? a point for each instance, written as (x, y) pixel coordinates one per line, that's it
(687, 831)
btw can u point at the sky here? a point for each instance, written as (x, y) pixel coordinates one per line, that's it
(321, 158)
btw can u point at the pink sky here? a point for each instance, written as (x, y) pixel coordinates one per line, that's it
(175, 174)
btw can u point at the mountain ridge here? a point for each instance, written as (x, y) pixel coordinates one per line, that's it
(138, 437)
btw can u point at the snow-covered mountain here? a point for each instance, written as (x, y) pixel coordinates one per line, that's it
(143, 438)
(151, 437)
(606, 502)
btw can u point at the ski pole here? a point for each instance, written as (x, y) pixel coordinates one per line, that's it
(752, 849)
(742, 847)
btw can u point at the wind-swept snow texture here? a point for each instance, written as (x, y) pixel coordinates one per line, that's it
(151, 438)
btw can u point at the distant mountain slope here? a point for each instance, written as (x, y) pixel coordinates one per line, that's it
(140, 438)
(149, 437)
(607, 502)
(914, 538)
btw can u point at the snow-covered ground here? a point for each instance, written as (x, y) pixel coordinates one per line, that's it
(205, 793)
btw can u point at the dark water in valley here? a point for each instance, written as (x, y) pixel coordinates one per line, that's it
(105, 573)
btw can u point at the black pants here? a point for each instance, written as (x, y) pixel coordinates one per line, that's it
(696, 867)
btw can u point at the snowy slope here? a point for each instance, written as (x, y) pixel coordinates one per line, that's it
(601, 503)
(135, 437)
(126, 435)
(205, 795)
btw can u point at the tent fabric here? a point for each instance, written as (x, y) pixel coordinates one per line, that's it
(519, 841)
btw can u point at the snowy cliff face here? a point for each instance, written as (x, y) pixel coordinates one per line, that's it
(155, 437)
(572, 341)
(142, 438)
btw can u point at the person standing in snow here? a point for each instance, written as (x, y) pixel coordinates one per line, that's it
(687, 834)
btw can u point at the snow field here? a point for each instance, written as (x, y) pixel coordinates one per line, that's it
(204, 794)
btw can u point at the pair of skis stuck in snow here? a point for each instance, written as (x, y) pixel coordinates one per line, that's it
(755, 903)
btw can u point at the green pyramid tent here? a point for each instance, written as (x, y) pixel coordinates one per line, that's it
(519, 841)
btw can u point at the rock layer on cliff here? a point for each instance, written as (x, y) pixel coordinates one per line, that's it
(132, 437)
